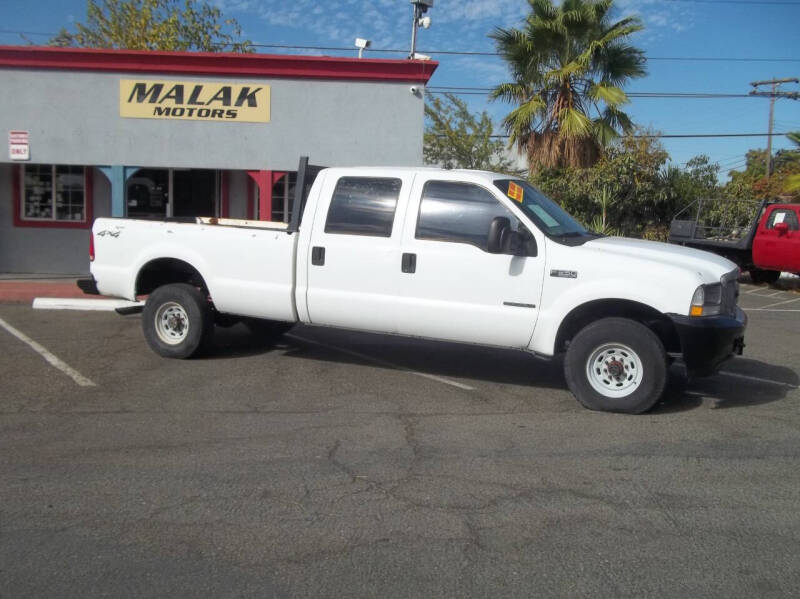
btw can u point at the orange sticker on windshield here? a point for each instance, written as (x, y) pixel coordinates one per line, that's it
(515, 192)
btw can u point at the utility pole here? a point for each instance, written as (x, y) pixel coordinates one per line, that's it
(773, 95)
(420, 8)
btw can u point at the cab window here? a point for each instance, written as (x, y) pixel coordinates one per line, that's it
(459, 212)
(363, 206)
(780, 215)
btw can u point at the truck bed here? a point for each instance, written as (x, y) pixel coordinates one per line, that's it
(717, 223)
(247, 266)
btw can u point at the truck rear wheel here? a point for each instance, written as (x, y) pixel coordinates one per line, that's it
(758, 275)
(616, 365)
(177, 321)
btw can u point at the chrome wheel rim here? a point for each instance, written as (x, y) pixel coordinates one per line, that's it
(172, 323)
(614, 370)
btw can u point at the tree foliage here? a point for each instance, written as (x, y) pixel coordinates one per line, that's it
(456, 138)
(792, 183)
(155, 25)
(569, 64)
(751, 183)
(632, 185)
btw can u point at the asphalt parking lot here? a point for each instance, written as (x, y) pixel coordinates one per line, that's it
(339, 464)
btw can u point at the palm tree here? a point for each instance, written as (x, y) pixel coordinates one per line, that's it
(566, 63)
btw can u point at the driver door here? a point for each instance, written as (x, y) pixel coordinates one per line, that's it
(457, 290)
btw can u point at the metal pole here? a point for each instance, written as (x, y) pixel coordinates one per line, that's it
(414, 32)
(773, 95)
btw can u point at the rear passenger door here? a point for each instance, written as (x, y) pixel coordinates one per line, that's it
(354, 259)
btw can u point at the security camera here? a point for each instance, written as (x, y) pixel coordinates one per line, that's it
(424, 22)
(361, 43)
(414, 90)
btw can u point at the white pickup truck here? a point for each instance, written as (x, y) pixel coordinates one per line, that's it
(464, 256)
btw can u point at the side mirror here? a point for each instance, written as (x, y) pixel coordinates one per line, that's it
(523, 243)
(499, 230)
(782, 228)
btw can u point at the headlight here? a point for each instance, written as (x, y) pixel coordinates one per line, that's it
(707, 300)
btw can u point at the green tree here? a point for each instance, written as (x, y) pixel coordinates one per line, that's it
(456, 138)
(155, 25)
(630, 189)
(751, 183)
(569, 64)
(792, 183)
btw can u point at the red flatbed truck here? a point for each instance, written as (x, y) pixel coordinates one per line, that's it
(761, 237)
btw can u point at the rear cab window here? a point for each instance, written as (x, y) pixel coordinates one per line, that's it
(363, 206)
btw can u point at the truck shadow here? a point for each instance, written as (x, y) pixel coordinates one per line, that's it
(742, 382)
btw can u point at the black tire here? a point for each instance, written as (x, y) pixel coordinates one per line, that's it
(758, 275)
(616, 344)
(267, 329)
(167, 311)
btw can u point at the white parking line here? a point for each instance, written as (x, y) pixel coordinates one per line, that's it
(780, 303)
(770, 310)
(52, 359)
(755, 378)
(432, 377)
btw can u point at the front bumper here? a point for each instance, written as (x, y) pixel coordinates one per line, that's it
(707, 341)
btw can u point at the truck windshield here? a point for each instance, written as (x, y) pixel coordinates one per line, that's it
(543, 211)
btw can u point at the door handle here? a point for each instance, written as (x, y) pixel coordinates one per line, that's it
(409, 263)
(318, 256)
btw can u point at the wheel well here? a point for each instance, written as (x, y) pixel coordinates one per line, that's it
(164, 271)
(589, 312)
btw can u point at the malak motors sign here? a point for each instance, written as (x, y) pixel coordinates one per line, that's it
(194, 100)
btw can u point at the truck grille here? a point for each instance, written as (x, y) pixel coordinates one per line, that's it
(730, 292)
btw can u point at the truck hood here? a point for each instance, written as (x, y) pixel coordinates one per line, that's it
(709, 266)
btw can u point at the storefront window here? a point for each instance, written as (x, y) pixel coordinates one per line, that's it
(148, 193)
(53, 193)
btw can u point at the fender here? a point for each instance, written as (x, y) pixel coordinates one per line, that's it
(565, 296)
(174, 252)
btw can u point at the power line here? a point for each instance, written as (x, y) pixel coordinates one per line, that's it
(460, 52)
(687, 135)
(750, 2)
(691, 95)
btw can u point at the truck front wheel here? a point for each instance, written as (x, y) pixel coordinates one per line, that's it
(616, 365)
(177, 321)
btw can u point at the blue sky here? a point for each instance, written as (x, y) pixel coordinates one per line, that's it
(673, 28)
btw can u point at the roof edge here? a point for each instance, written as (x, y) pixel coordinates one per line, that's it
(221, 64)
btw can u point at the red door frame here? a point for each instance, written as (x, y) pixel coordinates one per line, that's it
(265, 180)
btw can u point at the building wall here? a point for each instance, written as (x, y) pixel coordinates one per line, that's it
(73, 118)
(40, 249)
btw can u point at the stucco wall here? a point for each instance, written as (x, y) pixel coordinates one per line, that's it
(45, 250)
(73, 118)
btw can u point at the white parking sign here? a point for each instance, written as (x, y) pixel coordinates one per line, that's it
(18, 145)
